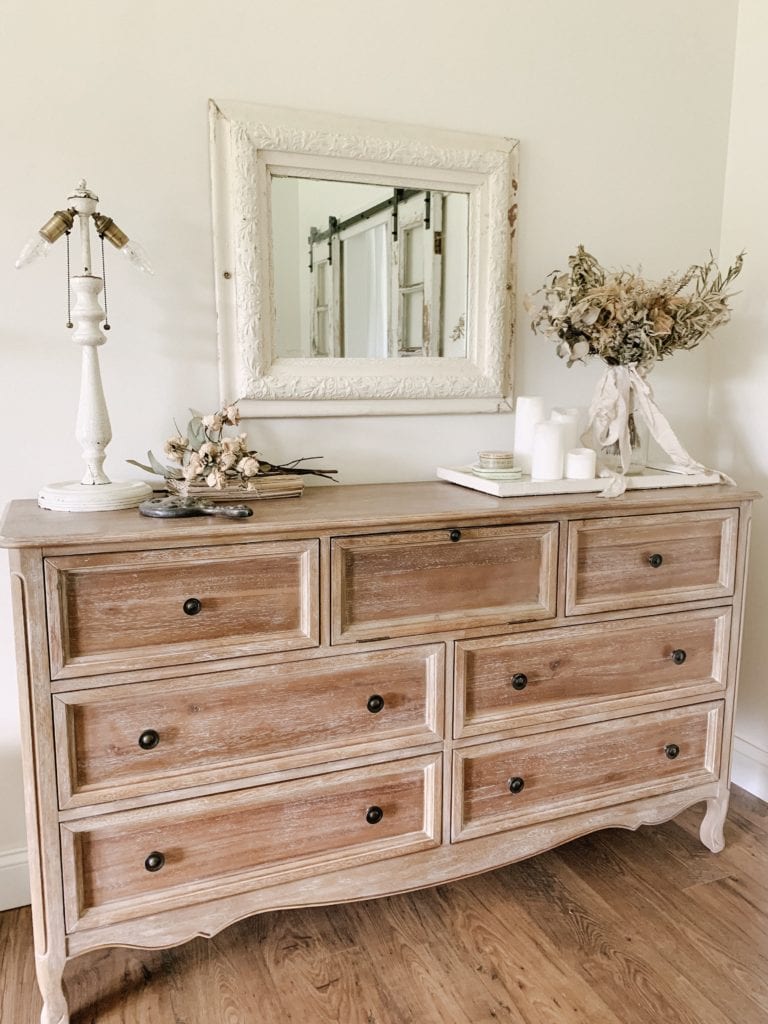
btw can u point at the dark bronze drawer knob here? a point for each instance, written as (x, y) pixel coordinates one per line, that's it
(671, 750)
(519, 681)
(455, 535)
(655, 561)
(374, 815)
(192, 606)
(679, 656)
(516, 784)
(149, 739)
(375, 703)
(154, 861)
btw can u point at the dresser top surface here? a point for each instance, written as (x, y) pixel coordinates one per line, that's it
(340, 507)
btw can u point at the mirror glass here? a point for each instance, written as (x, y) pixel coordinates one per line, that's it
(368, 270)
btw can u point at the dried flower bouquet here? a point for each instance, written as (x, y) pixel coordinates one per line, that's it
(207, 457)
(625, 319)
(630, 323)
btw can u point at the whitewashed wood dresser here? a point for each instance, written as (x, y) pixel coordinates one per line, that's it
(366, 690)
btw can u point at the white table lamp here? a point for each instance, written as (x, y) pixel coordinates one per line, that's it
(95, 492)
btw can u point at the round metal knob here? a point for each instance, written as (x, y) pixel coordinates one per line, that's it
(655, 561)
(519, 681)
(671, 750)
(192, 606)
(455, 535)
(516, 784)
(149, 739)
(374, 815)
(375, 703)
(678, 656)
(154, 861)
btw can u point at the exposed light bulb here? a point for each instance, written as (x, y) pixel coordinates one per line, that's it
(136, 254)
(39, 245)
(132, 251)
(35, 248)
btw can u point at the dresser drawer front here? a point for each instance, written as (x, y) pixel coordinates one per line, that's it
(504, 681)
(123, 741)
(132, 610)
(410, 583)
(239, 841)
(641, 561)
(579, 769)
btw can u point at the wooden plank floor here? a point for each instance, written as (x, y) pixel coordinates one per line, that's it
(616, 928)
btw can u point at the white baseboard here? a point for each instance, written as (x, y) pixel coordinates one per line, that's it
(750, 768)
(14, 879)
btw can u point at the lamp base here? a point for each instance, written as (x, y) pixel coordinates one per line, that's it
(72, 496)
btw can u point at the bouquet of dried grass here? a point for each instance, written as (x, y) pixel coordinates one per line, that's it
(625, 319)
(630, 323)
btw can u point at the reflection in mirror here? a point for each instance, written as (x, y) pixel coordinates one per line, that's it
(368, 271)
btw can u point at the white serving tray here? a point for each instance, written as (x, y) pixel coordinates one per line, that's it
(652, 476)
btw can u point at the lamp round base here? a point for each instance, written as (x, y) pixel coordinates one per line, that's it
(72, 496)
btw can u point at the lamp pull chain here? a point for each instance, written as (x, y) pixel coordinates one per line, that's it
(69, 289)
(106, 325)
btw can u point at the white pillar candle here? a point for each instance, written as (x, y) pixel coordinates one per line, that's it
(570, 420)
(580, 464)
(548, 451)
(529, 410)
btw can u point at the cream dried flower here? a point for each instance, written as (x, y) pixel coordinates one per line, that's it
(194, 467)
(214, 421)
(175, 447)
(209, 451)
(249, 466)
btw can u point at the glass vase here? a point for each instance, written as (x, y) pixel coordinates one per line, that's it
(610, 455)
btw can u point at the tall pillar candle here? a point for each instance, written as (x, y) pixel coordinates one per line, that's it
(548, 451)
(570, 420)
(529, 411)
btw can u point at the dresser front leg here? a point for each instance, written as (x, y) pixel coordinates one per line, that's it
(711, 831)
(50, 971)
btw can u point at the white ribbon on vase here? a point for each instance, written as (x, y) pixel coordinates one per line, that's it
(621, 390)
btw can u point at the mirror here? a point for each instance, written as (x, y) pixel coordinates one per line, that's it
(368, 271)
(361, 267)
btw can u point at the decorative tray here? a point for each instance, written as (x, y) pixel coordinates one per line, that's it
(652, 476)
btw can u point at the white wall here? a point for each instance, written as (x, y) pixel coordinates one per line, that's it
(738, 407)
(622, 112)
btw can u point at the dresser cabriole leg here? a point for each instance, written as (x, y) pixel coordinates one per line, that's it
(711, 831)
(50, 973)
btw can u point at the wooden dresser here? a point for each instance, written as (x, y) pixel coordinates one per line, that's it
(367, 690)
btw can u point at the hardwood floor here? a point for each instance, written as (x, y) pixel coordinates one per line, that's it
(616, 928)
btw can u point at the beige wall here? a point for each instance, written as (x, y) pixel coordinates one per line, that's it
(622, 111)
(739, 396)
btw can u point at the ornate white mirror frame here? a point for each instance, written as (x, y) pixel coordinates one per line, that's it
(249, 144)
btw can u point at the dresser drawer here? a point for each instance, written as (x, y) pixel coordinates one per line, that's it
(410, 583)
(123, 741)
(239, 841)
(641, 561)
(500, 786)
(502, 682)
(138, 609)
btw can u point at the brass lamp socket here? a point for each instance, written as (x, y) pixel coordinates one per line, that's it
(106, 226)
(58, 225)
